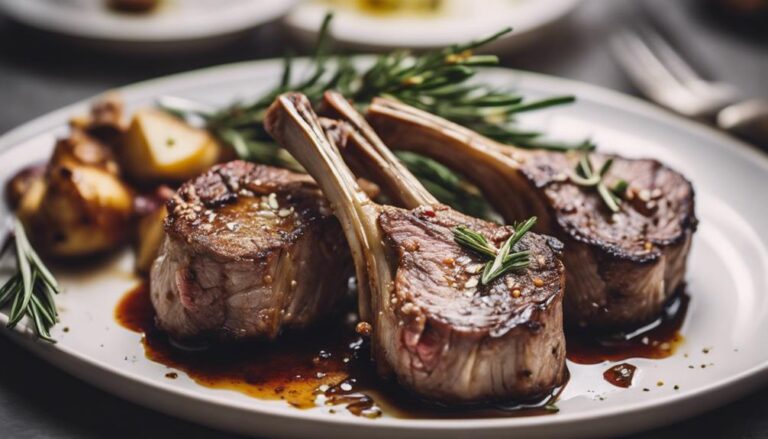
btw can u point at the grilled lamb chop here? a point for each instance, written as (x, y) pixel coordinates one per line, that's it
(441, 333)
(621, 268)
(250, 250)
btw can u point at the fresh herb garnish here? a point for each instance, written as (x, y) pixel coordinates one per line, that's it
(436, 81)
(31, 290)
(586, 176)
(474, 241)
(502, 259)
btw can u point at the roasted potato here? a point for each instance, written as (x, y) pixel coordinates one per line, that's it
(77, 211)
(30, 201)
(21, 183)
(151, 231)
(158, 147)
(105, 120)
(82, 149)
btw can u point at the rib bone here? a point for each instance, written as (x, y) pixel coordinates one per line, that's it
(441, 333)
(621, 267)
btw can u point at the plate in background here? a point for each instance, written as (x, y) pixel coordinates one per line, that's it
(175, 25)
(728, 277)
(458, 20)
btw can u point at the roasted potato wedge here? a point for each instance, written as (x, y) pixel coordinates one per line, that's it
(158, 147)
(151, 234)
(151, 210)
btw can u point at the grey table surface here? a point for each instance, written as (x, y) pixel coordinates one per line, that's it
(39, 74)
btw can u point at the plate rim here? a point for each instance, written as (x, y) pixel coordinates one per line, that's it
(739, 383)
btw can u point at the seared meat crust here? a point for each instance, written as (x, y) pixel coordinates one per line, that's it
(250, 250)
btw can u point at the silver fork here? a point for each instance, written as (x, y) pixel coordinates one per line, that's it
(666, 78)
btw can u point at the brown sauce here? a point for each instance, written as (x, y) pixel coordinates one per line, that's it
(620, 375)
(656, 340)
(329, 366)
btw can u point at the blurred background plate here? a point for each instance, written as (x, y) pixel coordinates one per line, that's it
(424, 24)
(171, 25)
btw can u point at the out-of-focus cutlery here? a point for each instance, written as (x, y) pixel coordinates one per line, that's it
(665, 77)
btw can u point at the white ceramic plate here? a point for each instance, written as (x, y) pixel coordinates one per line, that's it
(174, 22)
(728, 278)
(465, 18)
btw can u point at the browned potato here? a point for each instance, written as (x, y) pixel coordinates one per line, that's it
(151, 231)
(30, 201)
(82, 149)
(150, 237)
(76, 205)
(21, 182)
(159, 147)
(104, 123)
(77, 211)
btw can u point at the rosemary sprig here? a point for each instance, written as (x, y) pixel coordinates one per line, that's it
(31, 290)
(586, 176)
(502, 259)
(435, 81)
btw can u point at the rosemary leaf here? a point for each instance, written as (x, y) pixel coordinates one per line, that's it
(474, 241)
(620, 188)
(7, 289)
(41, 269)
(544, 103)
(502, 259)
(609, 198)
(45, 313)
(522, 228)
(585, 175)
(606, 166)
(516, 260)
(18, 297)
(552, 145)
(494, 268)
(40, 325)
(26, 274)
(31, 289)
(587, 182)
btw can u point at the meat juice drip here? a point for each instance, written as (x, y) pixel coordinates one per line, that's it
(329, 366)
(656, 340)
(620, 375)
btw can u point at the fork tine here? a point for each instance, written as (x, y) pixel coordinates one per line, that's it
(670, 57)
(641, 64)
(652, 77)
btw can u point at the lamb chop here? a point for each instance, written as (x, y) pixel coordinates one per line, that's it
(622, 266)
(250, 250)
(441, 332)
